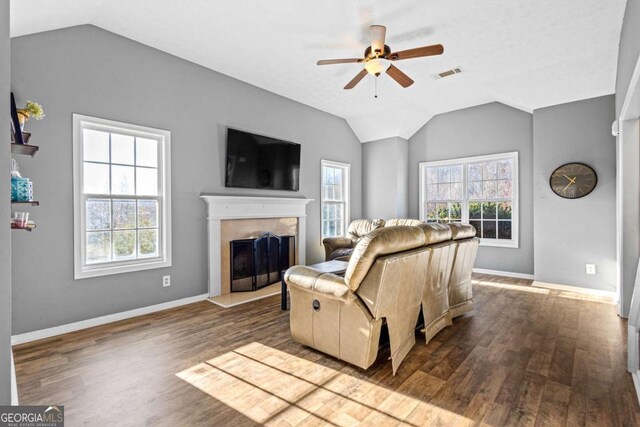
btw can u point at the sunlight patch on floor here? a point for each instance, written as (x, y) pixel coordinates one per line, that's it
(512, 287)
(272, 387)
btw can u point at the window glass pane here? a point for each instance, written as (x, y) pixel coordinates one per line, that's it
(95, 145)
(490, 189)
(504, 169)
(489, 229)
(147, 213)
(124, 214)
(122, 149)
(332, 228)
(96, 178)
(456, 191)
(504, 230)
(474, 211)
(504, 210)
(98, 247)
(489, 210)
(122, 180)
(504, 189)
(338, 192)
(456, 211)
(444, 191)
(98, 214)
(443, 212)
(146, 152)
(475, 172)
(146, 182)
(456, 173)
(432, 175)
(124, 245)
(432, 192)
(444, 174)
(489, 170)
(431, 211)
(338, 176)
(475, 190)
(148, 243)
(329, 176)
(478, 226)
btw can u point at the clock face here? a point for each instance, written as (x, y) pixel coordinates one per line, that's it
(573, 180)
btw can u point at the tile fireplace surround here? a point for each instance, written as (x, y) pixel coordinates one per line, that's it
(225, 208)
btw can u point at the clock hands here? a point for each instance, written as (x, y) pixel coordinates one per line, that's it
(571, 181)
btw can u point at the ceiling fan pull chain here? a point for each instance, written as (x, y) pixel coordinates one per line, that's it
(375, 95)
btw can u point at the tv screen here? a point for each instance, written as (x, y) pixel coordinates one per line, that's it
(256, 161)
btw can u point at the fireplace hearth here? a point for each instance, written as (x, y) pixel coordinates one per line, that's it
(259, 262)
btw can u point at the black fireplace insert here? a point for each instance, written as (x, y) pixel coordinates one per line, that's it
(259, 262)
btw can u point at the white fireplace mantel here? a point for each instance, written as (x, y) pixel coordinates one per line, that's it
(220, 207)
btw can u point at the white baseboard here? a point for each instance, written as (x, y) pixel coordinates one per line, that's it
(14, 384)
(576, 289)
(504, 273)
(97, 321)
(636, 383)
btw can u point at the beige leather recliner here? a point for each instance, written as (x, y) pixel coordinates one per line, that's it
(341, 248)
(343, 316)
(466, 249)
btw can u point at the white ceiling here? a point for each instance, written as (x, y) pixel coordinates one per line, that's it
(526, 54)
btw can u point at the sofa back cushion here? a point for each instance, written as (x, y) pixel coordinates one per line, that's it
(461, 231)
(394, 222)
(380, 242)
(360, 227)
(435, 233)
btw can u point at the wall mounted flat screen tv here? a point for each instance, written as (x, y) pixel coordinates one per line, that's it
(256, 161)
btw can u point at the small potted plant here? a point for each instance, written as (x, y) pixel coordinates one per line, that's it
(31, 109)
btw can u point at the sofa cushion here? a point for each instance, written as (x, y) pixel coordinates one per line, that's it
(379, 242)
(461, 231)
(360, 227)
(435, 233)
(398, 221)
(342, 253)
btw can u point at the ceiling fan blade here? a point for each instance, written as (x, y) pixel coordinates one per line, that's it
(417, 52)
(356, 79)
(399, 76)
(378, 33)
(339, 61)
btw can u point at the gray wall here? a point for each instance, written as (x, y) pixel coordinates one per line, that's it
(486, 129)
(91, 71)
(385, 178)
(627, 60)
(571, 233)
(5, 209)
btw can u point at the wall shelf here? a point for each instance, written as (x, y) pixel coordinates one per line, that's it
(27, 228)
(32, 203)
(24, 149)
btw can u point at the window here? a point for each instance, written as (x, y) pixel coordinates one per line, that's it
(122, 203)
(335, 198)
(481, 191)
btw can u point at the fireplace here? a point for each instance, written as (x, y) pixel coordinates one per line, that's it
(259, 262)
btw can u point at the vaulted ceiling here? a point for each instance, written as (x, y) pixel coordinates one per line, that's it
(524, 53)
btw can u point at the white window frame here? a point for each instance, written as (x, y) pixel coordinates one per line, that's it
(515, 215)
(346, 167)
(83, 270)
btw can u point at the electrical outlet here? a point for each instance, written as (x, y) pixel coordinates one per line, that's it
(591, 269)
(166, 281)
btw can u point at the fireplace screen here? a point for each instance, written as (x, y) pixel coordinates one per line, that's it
(259, 262)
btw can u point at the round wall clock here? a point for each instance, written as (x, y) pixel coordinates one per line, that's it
(573, 180)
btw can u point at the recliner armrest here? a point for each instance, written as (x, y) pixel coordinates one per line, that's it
(327, 284)
(333, 243)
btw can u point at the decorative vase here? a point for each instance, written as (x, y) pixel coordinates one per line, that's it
(23, 116)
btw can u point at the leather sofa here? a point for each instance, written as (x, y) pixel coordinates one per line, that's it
(394, 272)
(466, 249)
(340, 247)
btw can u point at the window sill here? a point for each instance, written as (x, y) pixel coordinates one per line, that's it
(99, 271)
(509, 244)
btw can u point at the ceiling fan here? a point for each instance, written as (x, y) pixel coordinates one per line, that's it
(378, 57)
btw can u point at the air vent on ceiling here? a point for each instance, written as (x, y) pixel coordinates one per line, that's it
(451, 72)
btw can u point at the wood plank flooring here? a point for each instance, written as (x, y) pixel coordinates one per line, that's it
(525, 357)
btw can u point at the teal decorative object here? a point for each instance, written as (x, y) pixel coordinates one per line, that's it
(21, 189)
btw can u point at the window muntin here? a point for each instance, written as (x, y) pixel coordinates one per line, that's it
(335, 198)
(121, 195)
(481, 191)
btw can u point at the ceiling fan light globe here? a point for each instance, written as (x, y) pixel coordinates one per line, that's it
(377, 66)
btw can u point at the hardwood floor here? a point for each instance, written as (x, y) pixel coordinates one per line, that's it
(525, 356)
